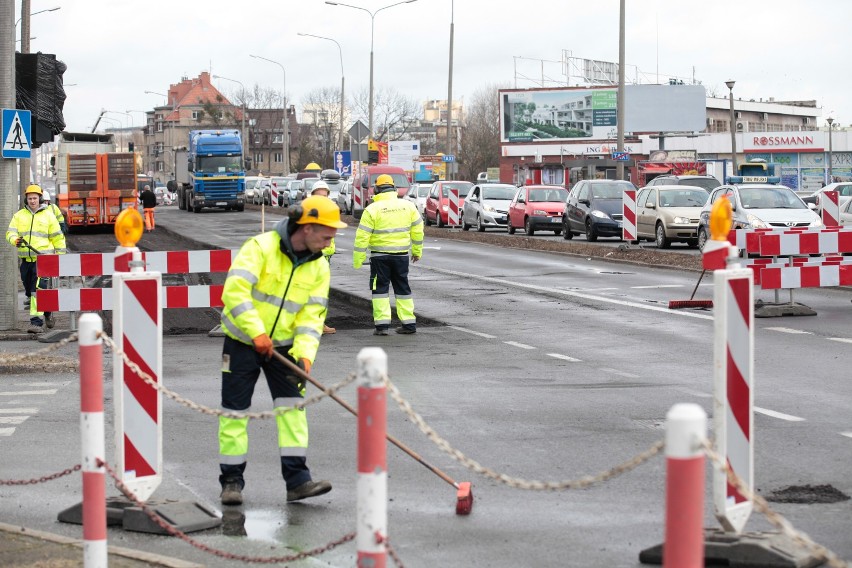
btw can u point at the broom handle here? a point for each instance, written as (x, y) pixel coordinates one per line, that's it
(697, 283)
(348, 407)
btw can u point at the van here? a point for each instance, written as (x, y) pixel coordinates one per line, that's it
(369, 174)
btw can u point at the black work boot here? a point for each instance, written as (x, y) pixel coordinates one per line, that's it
(406, 330)
(232, 494)
(381, 331)
(308, 489)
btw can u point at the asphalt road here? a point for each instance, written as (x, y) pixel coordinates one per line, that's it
(537, 365)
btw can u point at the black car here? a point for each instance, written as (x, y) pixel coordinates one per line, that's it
(594, 208)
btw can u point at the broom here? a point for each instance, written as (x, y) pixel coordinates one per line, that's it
(464, 493)
(690, 303)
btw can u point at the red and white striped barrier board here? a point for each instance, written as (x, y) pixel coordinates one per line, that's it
(830, 202)
(804, 276)
(273, 194)
(372, 485)
(714, 255)
(97, 299)
(820, 241)
(138, 332)
(628, 219)
(758, 264)
(357, 197)
(749, 239)
(453, 209)
(93, 441)
(164, 262)
(733, 366)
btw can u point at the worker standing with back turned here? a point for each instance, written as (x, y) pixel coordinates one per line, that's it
(390, 228)
(276, 298)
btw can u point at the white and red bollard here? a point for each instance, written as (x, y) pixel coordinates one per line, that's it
(372, 503)
(686, 430)
(628, 217)
(93, 445)
(830, 201)
(453, 208)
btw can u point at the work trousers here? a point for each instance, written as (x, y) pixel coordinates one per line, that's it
(241, 366)
(31, 281)
(149, 218)
(385, 271)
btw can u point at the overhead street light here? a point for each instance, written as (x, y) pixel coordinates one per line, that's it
(285, 122)
(342, 82)
(245, 141)
(39, 12)
(372, 30)
(730, 85)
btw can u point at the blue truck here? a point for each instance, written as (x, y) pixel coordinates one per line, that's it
(211, 172)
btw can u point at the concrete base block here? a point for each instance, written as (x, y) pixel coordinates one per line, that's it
(747, 550)
(55, 335)
(771, 310)
(186, 516)
(216, 332)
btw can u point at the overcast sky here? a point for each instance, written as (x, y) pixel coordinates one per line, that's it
(117, 49)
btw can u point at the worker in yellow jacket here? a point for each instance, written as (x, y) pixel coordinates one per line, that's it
(275, 298)
(321, 188)
(390, 228)
(34, 230)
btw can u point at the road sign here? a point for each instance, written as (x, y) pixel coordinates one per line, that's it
(621, 156)
(343, 162)
(16, 133)
(448, 158)
(358, 131)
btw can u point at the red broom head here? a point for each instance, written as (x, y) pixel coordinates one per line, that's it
(464, 499)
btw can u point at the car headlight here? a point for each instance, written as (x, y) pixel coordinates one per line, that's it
(756, 222)
(816, 223)
(599, 214)
(489, 209)
(681, 220)
(539, 212)
(445, 208)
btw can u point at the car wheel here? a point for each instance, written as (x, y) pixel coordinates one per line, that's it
(663, 241)
(465, 226)
(702, 237)
(510, 228)
(528, 228)
(566, 232)
(557, 232)
(426, 219)
(439, 220)
(480, 228)
(591, 232)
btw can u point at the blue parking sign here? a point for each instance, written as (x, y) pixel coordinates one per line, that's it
(343, 162)
(16, 133)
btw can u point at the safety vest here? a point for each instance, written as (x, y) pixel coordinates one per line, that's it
(266, 287)
(389, 225)
(39, 229)
(60, 218)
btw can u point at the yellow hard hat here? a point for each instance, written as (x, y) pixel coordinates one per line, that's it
(383, 182)
(33, 189)
(320, 210)
(313, 167)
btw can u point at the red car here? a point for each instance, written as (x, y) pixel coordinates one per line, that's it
(537, 207)
(437, 207)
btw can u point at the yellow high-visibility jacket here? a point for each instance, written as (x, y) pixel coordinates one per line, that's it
(388, 225)
(40, 229)
(265, 284)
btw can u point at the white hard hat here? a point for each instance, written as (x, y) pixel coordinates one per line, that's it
(319, 185)
(45, 195)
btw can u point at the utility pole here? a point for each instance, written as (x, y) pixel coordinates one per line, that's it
(450, 149)
(619, 113)
(24, 163)
(8, 195)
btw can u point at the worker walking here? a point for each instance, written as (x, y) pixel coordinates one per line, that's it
(55, 211)
(149, 201)
(390, 227)
(321, 188)
(34, 230)
(275, 297)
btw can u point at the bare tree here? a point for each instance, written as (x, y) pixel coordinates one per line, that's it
(480, 137)
(393, 112)
(324, 104)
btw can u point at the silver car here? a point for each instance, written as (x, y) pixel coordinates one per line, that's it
(669, 213)
(417, 195)
(487, 205)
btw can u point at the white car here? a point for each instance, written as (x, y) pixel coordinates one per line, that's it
(417, 195)
(846, 212)
(252, 185)
(843, 189)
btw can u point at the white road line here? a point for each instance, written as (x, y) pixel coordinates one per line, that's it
(39, 384)
(657, 286)
(589, 289)
(847, 434)
(780, 415)
(18, 410)
(617, 372)
(12, 419)
(23, 393)
(840, 339)
(789, 330)
(521, 345)
(470, 331)
(468, 276)
(7, 431)
(564, 357)
(693, 392)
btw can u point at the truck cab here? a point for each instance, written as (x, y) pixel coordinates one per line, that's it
(213, 173)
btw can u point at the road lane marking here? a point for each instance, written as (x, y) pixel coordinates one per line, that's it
(564, 357)
(18, 410)
(840, 339)
(536, 288)
(657, 286)
(780, 415)
(470, 331)
(7, 431)
(521, 345)
(789, 330)
(693, 392)
(588, 289)
(27, 393)
(621, 373)
(12, 419)
(847, 434)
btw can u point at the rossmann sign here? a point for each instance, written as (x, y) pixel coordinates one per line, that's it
(770, 142)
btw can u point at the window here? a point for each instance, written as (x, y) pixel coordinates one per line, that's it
(277, 157)
(159, 126)
(643, 194)
(160, 167)
(196, 115)
(278, 139)
(258, 158)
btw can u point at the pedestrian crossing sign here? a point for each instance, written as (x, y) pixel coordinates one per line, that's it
(16, 133)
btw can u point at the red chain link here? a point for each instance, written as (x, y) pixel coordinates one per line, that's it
(42, 479)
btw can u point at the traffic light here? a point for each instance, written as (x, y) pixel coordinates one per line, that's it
(38, 89)
(372, 152)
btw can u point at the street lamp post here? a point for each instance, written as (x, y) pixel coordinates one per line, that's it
(342, 82)
(450, 149)
(285, 119)
(245, 140)
(130, 123)
(830, 122)
(730, 85)
(372, 30)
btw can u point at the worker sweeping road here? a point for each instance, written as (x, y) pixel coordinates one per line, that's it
(275, 297)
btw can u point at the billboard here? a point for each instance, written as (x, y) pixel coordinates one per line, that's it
(557, 114)
(665, 108)
(403, 153)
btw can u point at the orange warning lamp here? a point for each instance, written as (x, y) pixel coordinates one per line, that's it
(721, 219)
(128, 227)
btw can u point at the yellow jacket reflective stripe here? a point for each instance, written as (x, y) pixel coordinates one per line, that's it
(388, 225)
(261, 282)
(40, 229)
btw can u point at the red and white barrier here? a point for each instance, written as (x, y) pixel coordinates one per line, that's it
(96, 299)
(815, 275)
(165, 262)
(453, 209)
(372, 486)
(815, 241)
(686, 430)
(357, 197)
(628, 219)
(273, 194)
(93, 441)
(733, 354)
(138, 332)
(830, 202)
